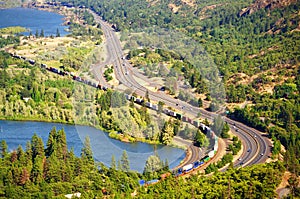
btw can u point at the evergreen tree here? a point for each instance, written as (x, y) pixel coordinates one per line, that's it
(86, 152)
(113, 162)
(42, 33)
(57, 33)
(3, 148)
(119, 165)
(37, 146)
(125, 162)
(51, 142)
(218, 125)
(36, 34)
(153, 164)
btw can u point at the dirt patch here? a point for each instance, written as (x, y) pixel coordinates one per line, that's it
(174, 8)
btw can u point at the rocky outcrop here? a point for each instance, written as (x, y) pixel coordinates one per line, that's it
(265, 4)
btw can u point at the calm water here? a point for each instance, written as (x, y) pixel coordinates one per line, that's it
(33, 20)
(18, 133)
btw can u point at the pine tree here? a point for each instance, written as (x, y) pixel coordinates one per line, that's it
(86, 152)
(3, 148)
(24, 176)
(42, 33)
(51, 142)
(37, 146)
(57, 33)
(36, 34)
(125, 162)
(113, 162)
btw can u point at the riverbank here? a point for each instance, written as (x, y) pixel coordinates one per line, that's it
(113, 134)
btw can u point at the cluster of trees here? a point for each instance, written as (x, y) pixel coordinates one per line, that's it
(107, 73)
(54, 171)
(48, 99)
(4, 41)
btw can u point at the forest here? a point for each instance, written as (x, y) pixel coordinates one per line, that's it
(51, 170)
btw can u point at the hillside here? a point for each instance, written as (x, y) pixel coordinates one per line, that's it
(254, 45)
(9, 3)
(266, 4)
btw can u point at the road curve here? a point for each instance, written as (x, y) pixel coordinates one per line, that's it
(250, 137)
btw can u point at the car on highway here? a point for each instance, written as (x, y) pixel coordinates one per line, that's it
(249, 150)
(261, 154)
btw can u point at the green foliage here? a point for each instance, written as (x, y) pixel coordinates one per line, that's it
(125, 167)
(153, 163)
(107, 74)
(12, 30)
(258, 181)
(201, 140)
(53, 176)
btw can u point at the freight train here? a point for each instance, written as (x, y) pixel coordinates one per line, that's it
(181, 171)
(137, 100)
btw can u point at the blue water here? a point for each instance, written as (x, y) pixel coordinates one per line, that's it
(18, 133)
(33, 20)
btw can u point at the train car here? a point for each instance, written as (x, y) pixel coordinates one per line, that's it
(196, 123)
(43, 66)
(179, 171)
(17, 56)
(148, 104)
(202, 126)
(187, 168)
(189, 120)
(139, 100)
(178, 116)
(166, 111)
(164, 175)
(154, 181)
(201, 162)
(184, 118)
(128, 97)
(155, 107)
(142, 182)
(196, 164)
(211, 154)
(172, 113)
(206, 158)
(32, 62)
(95, 85)
(216, 146)
(133, 98)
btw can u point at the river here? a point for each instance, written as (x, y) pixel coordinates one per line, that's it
(17, 133)
(34, 20)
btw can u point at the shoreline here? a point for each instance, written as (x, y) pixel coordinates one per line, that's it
(112, 134)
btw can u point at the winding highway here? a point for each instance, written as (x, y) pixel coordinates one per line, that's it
(256, 146)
